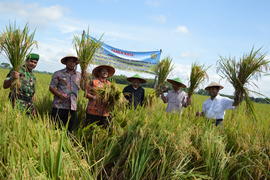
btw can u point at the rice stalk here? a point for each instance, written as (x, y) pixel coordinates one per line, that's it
(162, 71)
(241, 74)
(109, 95)
(16, 43)
(85, 48)
(197, 76)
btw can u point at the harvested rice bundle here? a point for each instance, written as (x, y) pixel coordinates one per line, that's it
(162, 71)
(149, 99)
(85, 48)
(109, 95)
(240, 74)
(197, 76)
(16, 43)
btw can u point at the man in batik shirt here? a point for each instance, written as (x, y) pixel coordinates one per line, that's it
(65, 85)
(22, 98)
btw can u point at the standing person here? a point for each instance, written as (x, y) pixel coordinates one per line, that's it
(215, 106)
(96, 111)
(134, 93)
(65, 85)
(23, 97)
(176, 98)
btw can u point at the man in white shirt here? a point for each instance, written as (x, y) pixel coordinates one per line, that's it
(176, 98)
(215, 106)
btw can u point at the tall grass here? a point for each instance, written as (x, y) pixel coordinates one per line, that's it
(146, 143)
(197, 76)
(16, 43)
(85, 47)
(162, 71)
(242, 73)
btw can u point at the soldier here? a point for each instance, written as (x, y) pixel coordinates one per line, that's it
(23, 97)
(65, 85)
(134, 93)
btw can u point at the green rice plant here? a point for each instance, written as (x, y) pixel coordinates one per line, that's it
(162, 71)
(146, 143)
(109, 95)
(197, 76)
(242, 73)
(85, 48)
(16, 43)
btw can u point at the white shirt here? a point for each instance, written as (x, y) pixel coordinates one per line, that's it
(215, 109)
(175, 100)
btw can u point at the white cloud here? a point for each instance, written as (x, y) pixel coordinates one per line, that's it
(152, 3)
(182, 29)
(32, 13)
(189, 55)
(160, 19)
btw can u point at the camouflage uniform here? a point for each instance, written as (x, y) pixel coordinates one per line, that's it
(23, 97)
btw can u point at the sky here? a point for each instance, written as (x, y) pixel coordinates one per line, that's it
(186, 30)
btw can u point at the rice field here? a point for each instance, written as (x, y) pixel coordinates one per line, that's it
(143, 144)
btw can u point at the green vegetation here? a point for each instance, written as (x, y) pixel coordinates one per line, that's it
(143, 144)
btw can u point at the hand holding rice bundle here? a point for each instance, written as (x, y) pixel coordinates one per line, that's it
(241, 73)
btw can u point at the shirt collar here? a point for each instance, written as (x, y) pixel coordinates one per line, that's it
(217, 97)
(177, 92)
(73, 71)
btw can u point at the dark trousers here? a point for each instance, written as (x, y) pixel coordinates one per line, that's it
(61, 116)
(218, 121)
(98, 120)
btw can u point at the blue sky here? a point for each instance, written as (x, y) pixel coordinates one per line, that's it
(188, 31)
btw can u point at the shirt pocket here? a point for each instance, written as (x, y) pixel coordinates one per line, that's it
(62, 80)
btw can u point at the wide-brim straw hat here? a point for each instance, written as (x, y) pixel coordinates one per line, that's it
(138, 77)
(177, 82)
(214, 84)
(66, 58)
(97, 69)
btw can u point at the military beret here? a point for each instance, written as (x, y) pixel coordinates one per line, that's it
(32, 56)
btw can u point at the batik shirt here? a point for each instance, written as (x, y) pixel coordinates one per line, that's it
(25, 93)
(66, 83)
(95, 107)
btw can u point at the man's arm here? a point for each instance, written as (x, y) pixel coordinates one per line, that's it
(13, 76)
(55, 92)
(164, 99)
(53, 88)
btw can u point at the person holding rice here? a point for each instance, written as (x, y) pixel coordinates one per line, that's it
(23, 97)
(65, 85)
(176, 98)
(215, 106)
(97, 110)
(134, 93)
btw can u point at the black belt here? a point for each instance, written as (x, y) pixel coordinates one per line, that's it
(219, 119)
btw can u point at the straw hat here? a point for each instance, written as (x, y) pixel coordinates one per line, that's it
(214, 84)
(136, 76)
(64, 59)
(177, 82)
(97, 69)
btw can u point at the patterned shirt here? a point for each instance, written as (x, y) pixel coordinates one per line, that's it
(66, 83)
(94, 107)
(176, 100)
(215, 109)
(26, 91)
